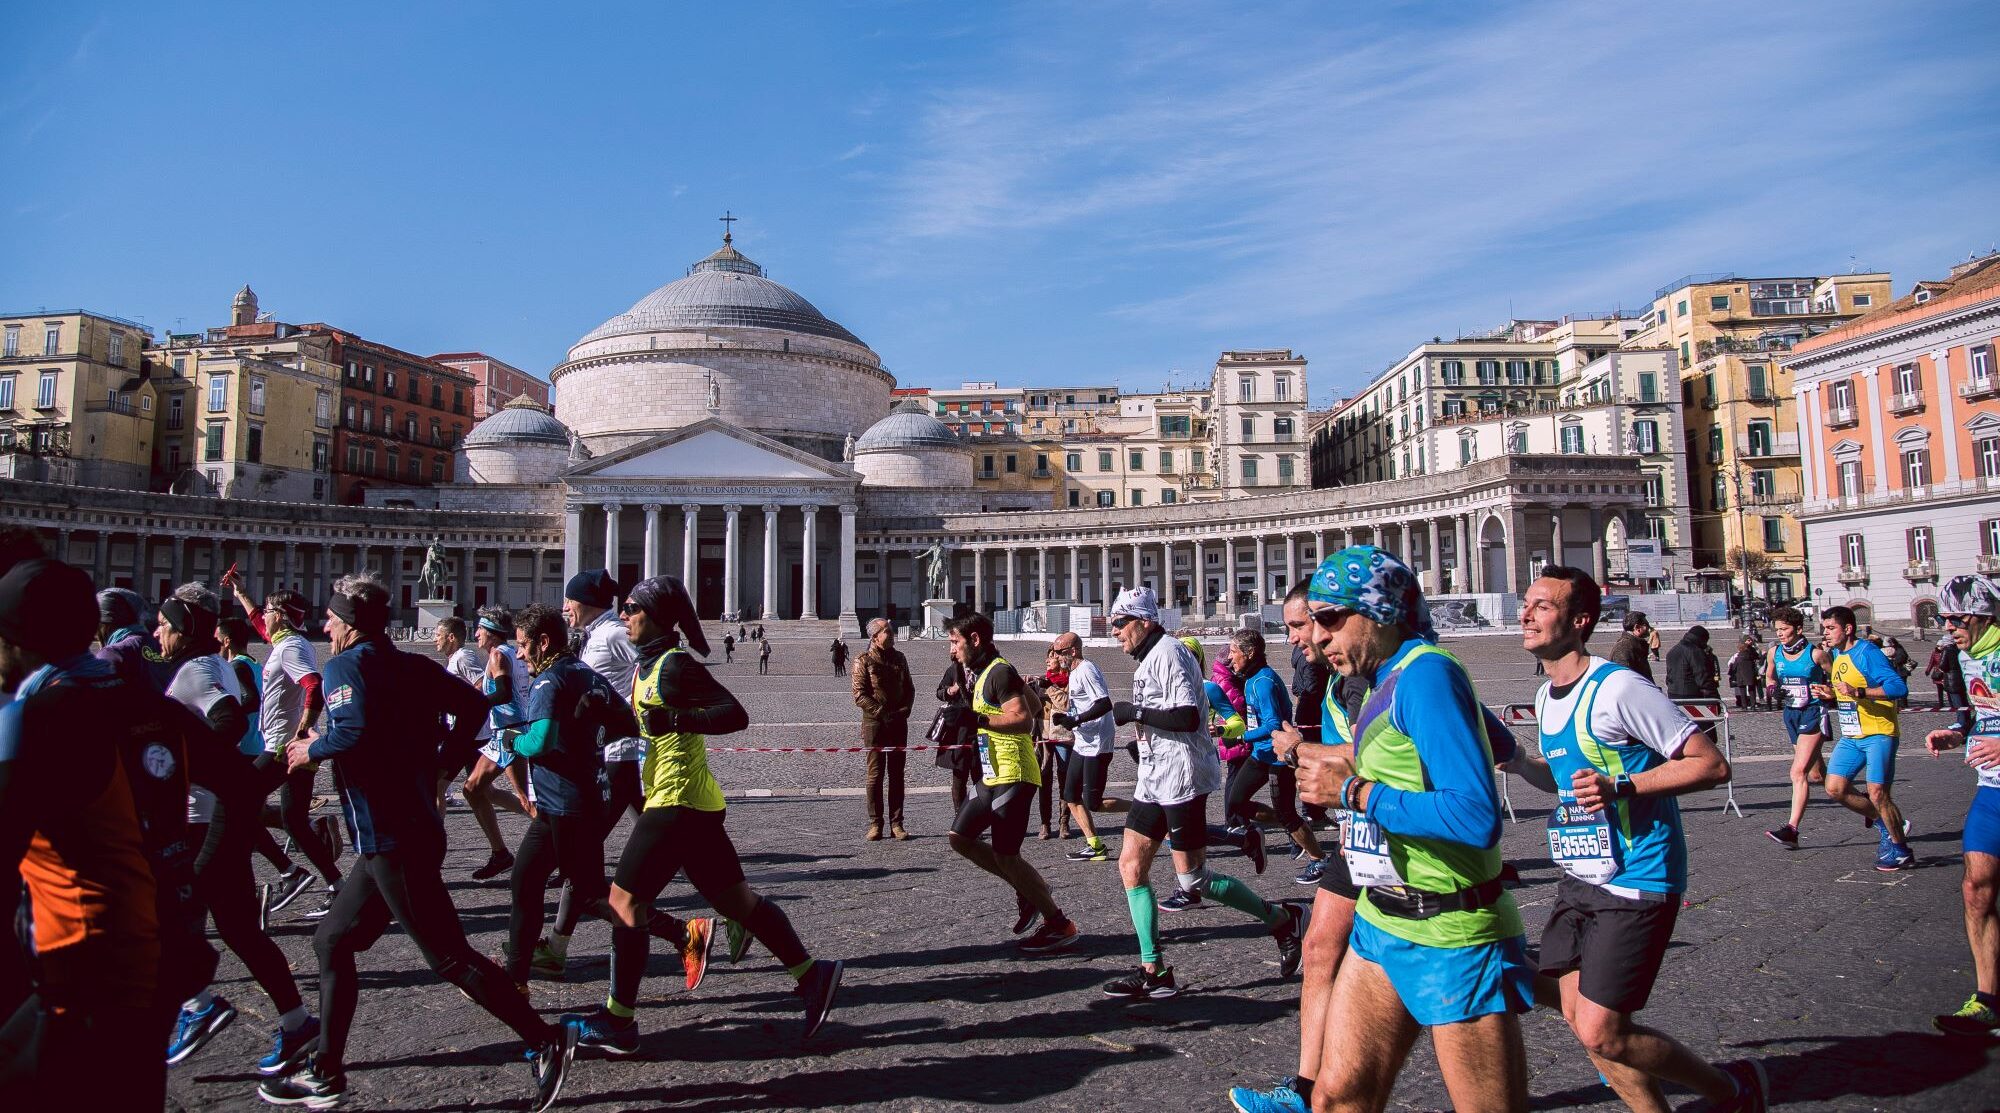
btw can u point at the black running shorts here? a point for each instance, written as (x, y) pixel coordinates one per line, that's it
(665, 841)
(1083, 780)
(1336, 879)
(1186, 822)
(1617, 943)
(1003, 809)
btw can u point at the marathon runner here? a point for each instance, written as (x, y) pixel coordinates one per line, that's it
(384, 730)
(93, 812)
(1267, 706)
(1970, 606)
(1437, 942)
(1616, 752)
(206, 684)
(290, 706)
(504, 680)
(677, 704)
(568, 713)
(1008, 776)
(1797, 665)
(1178, 770)
(468, 664)
(1092, 736)
(1866, 687)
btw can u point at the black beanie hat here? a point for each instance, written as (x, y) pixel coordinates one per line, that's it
(48, 607)
(593, 588)
(665, 600)
(119, 607)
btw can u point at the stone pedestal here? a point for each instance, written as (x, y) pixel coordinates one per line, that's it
(937, 616)
(428, 613)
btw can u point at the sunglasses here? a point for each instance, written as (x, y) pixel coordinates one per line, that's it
(1960, 620)
(1122, 621)
(1330, 618)
(627, 609)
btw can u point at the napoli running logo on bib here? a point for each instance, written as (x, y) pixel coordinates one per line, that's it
(158, 760)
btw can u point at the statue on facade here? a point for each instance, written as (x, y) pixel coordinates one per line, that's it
(847, 450)
(432, 576)
(714, 394)
(937, 572)
(577, 452)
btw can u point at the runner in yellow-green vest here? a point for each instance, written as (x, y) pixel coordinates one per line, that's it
(678, 703)
(1437, 942)
(1008, 777)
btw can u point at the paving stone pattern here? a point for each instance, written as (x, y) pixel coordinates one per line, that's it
(1811, 960)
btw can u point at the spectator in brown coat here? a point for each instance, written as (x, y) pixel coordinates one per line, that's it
(884, 693)
(1630, 649)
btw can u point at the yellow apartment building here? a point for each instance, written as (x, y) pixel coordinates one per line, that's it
(76, 405)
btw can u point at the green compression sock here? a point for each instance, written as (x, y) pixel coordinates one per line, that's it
(1096, 842)
(1237, 895)
(1145, 921)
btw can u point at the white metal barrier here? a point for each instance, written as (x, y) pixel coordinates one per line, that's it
(1711, 715)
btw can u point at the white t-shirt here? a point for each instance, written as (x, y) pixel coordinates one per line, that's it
(199, 684)
(466, 663)
(607, 649)
(1086, 687)
(509, 713)
(1628, 710)
(1174, 766)
(284, 703)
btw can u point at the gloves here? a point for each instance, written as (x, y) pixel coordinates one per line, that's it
(1232, 727)
(1124, 712)
(1064, 720)
(662, 720)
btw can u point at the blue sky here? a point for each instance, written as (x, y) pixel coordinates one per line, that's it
(1028, 193)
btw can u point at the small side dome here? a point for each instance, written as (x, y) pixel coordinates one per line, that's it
(521, 421)
(908, 426)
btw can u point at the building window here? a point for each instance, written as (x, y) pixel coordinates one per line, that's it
(1908, 381)
(1249, 471)
(218, 393)
(1169, 496)
(1199, 461)
(1763, 484)
(52, 340)
(1073, 461)
(1646, 437)
(1919, 541)
(257, 394)
(1848, 474)
(1075, 498)
(1760, 438)
(1249, 427)
(1281, 389)
(45, 391)
(320, 450)
(1281, 428)
(1138, 497)
(1863, 301)
(1840, 394)
(367, 419)
(7, 391)
(1135, 460)
(1489, 372)
(1452, 372)
(173, 411)
(254, 450)
(13, 342)
(388, 380)
(416, 467)
(1718, 492)
(353, 457)
(1468, 450)
(1854, 554)
(1106, 498)
(1985, 451)
(457, 400)
(212, 444)
(391, 463)
(1681, 308)
(1917, 467)
(1013, 464)
(1989, 537)
(1246, 390)
(1286, 469)
(1517, 372)
(1718, 302)
(1649, 387)
(1167, 460)
(986, 466)
(1656, 489)
(1774, 535)
(118, 348)
(323, 409)
(1103, 459)
(1572, 439)
(1684, 354)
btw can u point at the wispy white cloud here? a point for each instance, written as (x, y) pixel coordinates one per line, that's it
(1401, 183)
(854, 152)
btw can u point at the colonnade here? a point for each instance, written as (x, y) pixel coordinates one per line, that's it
(695, 517)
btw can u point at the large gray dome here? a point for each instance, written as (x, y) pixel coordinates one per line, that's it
(909, 425)
(521, 421)
(725, 290)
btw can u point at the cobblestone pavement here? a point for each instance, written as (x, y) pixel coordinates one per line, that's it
(1811, 960)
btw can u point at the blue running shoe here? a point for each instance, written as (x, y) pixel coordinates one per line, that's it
(600, 1030)
(193, 1029)
(289, 1049)
(1281, 1098)
(1892, 858)
(1314, 870)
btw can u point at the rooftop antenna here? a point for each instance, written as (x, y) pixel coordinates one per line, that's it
(727, 219)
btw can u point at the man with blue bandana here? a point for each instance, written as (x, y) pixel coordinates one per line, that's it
(1970, 608)
(1437, 942)
(1616, 752)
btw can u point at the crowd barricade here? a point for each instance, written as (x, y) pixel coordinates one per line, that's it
(1711, 715)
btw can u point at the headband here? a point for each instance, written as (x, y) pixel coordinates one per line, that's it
(370, 616)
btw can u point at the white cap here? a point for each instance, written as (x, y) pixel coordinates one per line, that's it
(1138, 602)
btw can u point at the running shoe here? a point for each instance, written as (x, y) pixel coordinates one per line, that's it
(614, 1035)
(1314, 870)
(1234, 830)
(1974, 1018)
(817, 989)
(495, 866)
(549, 1064)
(1753, 1088)
(1891, 858)
(1291, 936)
(1050, 937)
(1282, 1098)
(1084, 853)
(307, 1087)
(193, 1029)
(328, 830)
(1181, 901)
(1786, 836)
(739, 940)
(286, 889)
(1298, 852)
(319, 911)
(1027, 915)
(694, 951)
(289, 1049)
(264, 907)
(1143, 983)
(546, 962)
(1253, 845)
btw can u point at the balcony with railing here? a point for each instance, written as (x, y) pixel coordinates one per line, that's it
(1851, 574)
(111, 406)
(1908, 402)
(1919, 570)
(1840, 417)
(1982, 386)
(1777, 444)
(1986, 563)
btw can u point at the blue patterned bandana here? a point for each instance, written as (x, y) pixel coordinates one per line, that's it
(1372, 583)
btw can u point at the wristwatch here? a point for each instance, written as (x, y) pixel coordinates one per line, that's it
(1622, 787)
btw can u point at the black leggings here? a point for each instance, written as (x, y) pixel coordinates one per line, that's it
(1284, 781)
(47, 1057)
(406, 886)
(226, 886)
(622, 793)
(295, 793)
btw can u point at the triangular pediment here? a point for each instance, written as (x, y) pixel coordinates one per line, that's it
(712, 449)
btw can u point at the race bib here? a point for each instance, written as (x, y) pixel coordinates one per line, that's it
(1798, 692)
(1580, 843)
(1366, 850)
(1850, 720)
(985, 757)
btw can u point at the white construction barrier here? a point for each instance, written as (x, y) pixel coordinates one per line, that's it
(1711, 715)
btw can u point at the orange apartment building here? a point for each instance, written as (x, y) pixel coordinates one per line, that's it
(1900, 414)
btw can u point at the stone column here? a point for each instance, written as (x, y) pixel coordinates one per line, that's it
(142, 560)
(1228, 599)
(850, 624)
(882, 584)
(731, 564)
(1871, 401)
(1136, 578)
(290, 578)
(770, 610)
(1291, 560)
(180, 557)
(62, 545)
(572, 539)
(1198, 579)
(215, 565)
(809, 571)
(539, 560)
(1041, 574)
(395, 578)
(1461, 553)
(690, 538)
(253, 571)
(1517, 522)
(1599, 560)
(611, 512)
(1104, 577)
(1556, 536)
(1166, 573)
(1319, 547)
(1013, 599)
(979, 580)
(1257, 601)
(1436, 553)
(326, 570)
(649, 563)
(465, 556)
(1075, 573)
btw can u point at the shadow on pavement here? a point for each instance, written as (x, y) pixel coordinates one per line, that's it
(1885, 1065)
